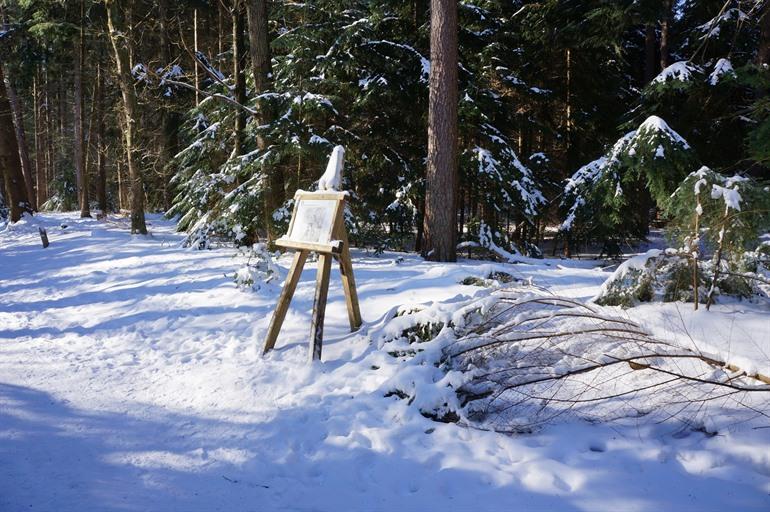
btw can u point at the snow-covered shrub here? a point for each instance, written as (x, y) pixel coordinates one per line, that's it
(667, 276)
(723, 215)
(712, 208)
(258, 270)
(494, 278)
(655, 275)
(610, 199)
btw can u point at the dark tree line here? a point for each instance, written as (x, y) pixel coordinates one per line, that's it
(460, 119)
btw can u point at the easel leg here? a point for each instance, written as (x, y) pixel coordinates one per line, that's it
(349, 287)
(319, 306)
(284, 300)
(349, 284)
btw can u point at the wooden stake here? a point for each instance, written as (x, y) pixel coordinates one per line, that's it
(43, 237)
(319, 306)
(284, 300)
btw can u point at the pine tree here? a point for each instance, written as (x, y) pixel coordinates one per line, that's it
(610, 199)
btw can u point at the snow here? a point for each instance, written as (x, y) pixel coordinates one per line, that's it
(638, 262)
(332, 177)
(139, 72)
(721, 68)
(681, 71)
(729, 192)
(424, 62)
(317, 139)
(654, 124)
(731, 196)
(131, 379)
(713, 26)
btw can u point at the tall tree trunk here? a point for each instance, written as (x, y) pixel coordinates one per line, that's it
(80, 154)
(259, 46)
(49, 131)
(101, 174)
(763, 51)
(195, 49)
(440, 233)
(21, 139)
(122, 48)
(569, 123)
(220, 32)
(649, 53)
(10, 163)
(121, 188)
(418, 13)
(40, 158)
(665, 25)
(170, 119)
(239, 61)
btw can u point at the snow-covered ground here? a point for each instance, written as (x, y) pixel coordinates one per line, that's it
(131, 379)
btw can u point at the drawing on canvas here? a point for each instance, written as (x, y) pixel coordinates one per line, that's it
(313, 221)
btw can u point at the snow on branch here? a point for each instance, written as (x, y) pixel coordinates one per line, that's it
(678, 71)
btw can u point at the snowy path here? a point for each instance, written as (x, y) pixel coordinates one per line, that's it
(130, 379)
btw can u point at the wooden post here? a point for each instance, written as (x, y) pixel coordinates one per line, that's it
(43, 237)
(319, 306)
(284, 300)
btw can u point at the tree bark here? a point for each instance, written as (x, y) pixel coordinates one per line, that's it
(10, 163)
(21, 139)
(80, 156)
(259, 46)
(49, 131)
(239, 61)
(101, 174)
(122, 49)
(418, 13)
(650, 70)
(170, 118)
(763, 51)
(220, 31)
(665, 22)
(195, 49)
(440, 230)
(40, 152)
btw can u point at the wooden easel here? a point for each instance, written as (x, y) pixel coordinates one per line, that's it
(338, 248)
